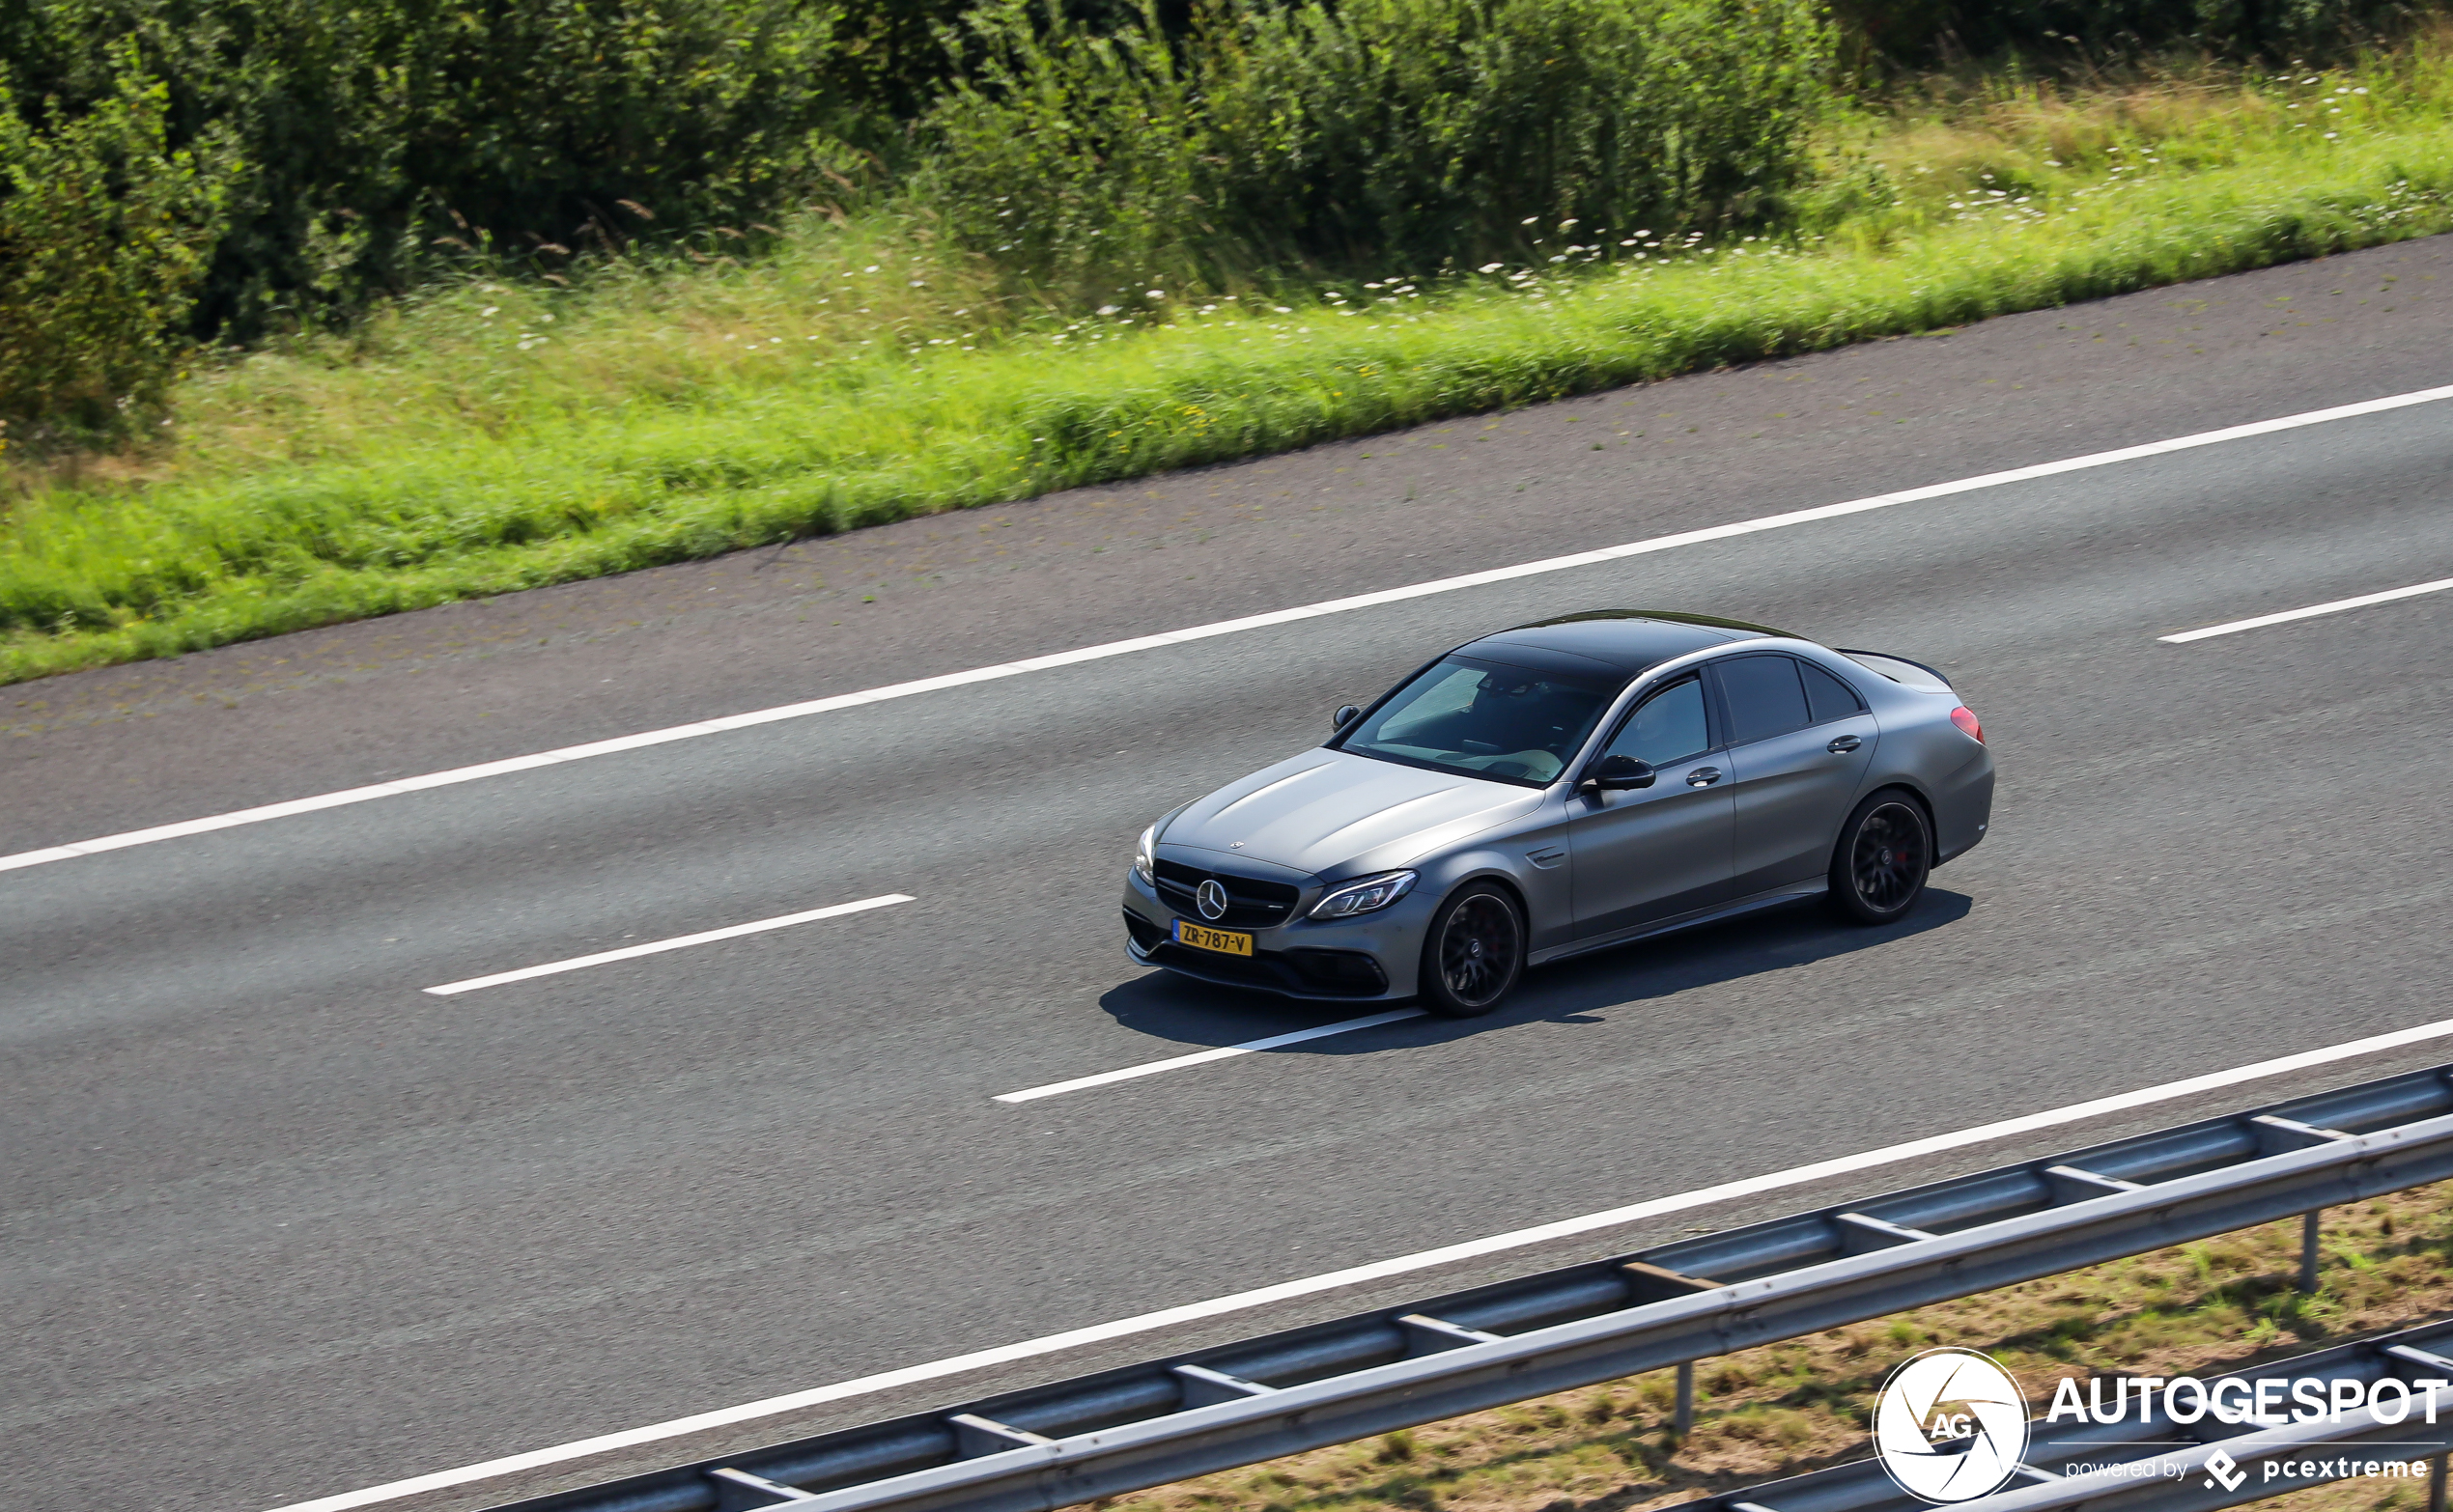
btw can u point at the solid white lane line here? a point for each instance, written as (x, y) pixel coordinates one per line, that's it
(1151, 1068)
(1118, 648)
(1379, 1270)
(678, 942)
(2312, 611)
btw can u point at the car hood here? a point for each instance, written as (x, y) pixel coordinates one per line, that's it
(1322, 809)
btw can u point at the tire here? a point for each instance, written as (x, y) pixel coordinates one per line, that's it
(1475, 952)
(1885, 854)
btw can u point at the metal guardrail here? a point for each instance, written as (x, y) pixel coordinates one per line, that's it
(2319, 1451)
(1149, 1424)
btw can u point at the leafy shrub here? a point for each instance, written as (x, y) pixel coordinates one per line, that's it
(1919, 33)
(1072, 153)
(1409, 132)
(104, 231)
(383, 137)
(1379, 134)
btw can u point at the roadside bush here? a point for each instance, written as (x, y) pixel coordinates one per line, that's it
(382, 138)
(104, 231)
(1377, 135)
(1069, 153)
(890, 59)
(1913, 33)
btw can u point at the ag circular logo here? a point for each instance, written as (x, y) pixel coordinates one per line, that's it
(1950, 1425)
(1211, 899)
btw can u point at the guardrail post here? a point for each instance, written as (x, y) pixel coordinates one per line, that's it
(1686, 1417)
(2436, 1484)
(2308, 1249)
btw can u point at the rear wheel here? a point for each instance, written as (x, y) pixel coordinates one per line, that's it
(1475, 953)
(1885, 854)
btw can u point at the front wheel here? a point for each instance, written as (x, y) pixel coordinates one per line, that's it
(1475, 953)
(1885, 854)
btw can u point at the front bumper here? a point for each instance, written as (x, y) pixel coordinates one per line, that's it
(1371, 958)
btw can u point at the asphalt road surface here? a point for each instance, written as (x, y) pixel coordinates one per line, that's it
(276, 1222)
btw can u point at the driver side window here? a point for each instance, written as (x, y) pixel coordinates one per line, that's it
(1666, 727)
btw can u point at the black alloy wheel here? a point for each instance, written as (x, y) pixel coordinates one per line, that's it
(1885, 854)
(1475, 953)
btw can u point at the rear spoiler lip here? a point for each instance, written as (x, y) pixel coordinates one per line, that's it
(1893, 655)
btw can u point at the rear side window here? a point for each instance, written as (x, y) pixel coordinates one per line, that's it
(1827, 697)
(1764, 698)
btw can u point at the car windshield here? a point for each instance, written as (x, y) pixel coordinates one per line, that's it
(1483, 719)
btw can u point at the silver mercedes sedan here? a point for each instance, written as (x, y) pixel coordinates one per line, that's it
(1564, 787)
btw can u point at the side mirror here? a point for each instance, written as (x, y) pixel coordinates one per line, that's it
(1346, 714)
(1614, 773)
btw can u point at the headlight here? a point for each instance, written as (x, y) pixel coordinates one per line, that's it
(1142, 867)
(1365, 896)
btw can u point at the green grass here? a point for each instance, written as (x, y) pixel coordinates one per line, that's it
(855, 375)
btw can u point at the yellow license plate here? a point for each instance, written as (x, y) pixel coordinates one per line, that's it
(1201, 937)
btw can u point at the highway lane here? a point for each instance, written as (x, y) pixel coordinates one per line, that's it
(280, 1223)
(130, 746)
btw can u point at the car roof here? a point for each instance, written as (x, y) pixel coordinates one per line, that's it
(1626, 640)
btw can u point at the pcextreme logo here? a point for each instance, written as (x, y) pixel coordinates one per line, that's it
(1950, 1425)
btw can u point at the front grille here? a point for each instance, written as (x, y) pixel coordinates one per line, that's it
(1251, 903)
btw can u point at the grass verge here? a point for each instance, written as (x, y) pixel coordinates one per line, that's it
(1787, 1409)
(494, 437)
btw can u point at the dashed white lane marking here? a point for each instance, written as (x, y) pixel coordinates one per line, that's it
(1151, 1068)
(1118, 648)
(1380, 1269)
(2311, 612)
(677, 943)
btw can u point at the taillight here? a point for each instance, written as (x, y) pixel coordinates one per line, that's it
(1965, 718)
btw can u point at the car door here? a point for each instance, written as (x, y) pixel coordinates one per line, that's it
(1642, 854)
(1799, 743)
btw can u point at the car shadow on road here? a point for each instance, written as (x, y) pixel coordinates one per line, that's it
(1181, 1010)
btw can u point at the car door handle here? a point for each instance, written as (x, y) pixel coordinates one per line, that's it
(1703, 776)
(1843, 744)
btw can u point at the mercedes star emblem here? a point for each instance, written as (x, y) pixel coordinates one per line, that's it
(1212, 900)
